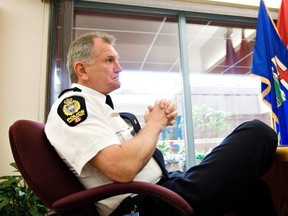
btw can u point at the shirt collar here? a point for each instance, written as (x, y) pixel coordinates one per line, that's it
(90, 91)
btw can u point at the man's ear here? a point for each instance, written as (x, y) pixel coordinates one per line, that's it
(80, 71)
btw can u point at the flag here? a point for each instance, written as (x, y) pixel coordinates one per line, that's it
(282, 22)
(270, 62)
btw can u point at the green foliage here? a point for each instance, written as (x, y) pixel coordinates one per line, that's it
(211, 121)
(200, 155)
(163, 147)
(17, 199)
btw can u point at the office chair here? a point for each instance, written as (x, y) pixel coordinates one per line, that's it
(57, 187)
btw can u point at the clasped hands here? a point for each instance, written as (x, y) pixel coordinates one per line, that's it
(163, 111)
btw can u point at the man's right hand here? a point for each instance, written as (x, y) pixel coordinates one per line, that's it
(157, 109)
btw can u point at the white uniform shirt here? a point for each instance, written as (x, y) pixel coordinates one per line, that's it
(77, 143)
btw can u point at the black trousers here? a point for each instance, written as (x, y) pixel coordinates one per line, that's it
(228, 179)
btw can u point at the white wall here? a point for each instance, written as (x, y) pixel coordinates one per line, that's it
(23, 54)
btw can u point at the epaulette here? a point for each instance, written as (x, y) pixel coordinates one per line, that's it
(75, 89)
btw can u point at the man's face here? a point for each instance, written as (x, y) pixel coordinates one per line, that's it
(103, 74)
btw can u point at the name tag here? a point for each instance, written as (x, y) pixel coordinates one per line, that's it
(115, 114)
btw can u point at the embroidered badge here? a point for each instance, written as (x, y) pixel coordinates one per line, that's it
(72, 110)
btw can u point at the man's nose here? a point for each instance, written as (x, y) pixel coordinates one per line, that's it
(118, 67)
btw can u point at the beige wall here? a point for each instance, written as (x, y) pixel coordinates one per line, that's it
(23, 54)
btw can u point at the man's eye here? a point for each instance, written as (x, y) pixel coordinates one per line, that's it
(109, 60)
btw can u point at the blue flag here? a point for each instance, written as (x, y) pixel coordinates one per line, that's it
(270, 62)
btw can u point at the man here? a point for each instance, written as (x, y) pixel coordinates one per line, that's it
(100, 147)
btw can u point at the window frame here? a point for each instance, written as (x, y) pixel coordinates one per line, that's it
(61, 34)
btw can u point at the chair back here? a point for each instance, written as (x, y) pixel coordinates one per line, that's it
(40, 165)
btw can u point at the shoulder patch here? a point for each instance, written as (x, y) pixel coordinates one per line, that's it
(72, 110)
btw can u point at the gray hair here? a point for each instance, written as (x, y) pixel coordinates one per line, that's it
(81, 49)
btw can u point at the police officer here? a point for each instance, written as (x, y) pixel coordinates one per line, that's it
(101, 147)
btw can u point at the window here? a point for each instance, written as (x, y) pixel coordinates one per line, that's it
(223, 94)
(209, 82)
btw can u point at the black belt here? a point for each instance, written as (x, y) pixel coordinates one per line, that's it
(128, 205)
(137, 203)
